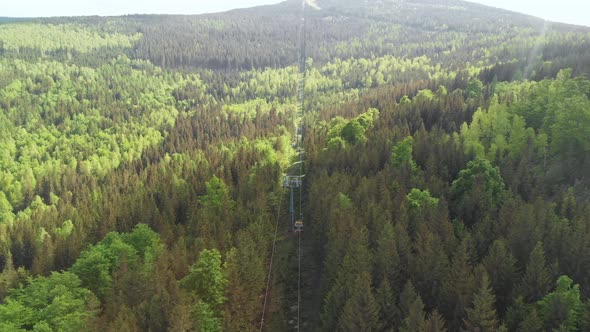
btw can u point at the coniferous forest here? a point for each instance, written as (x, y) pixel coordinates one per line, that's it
(446, 158)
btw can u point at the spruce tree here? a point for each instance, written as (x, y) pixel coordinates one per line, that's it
(482, 316)
(388, 311)
(361, 311)
(414, 321)
(404, 250)
(585, 317)
(356, 261)
(435, 323)
(516, 313)
(430, 266)
(531, 323)
(501, 267)
(332, 306)
(8, 277)
(536, 280)
(387, 261)
(458, 287)
(406, 298)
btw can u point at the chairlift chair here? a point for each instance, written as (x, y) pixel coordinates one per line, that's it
(298, 226)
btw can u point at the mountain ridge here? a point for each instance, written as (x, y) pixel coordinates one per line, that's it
(268, 36)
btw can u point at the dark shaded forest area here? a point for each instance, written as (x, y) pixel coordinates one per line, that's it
(447, 162)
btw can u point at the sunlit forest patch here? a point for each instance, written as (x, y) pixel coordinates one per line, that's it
(51, 37)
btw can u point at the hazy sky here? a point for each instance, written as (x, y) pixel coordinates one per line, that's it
(569, 11)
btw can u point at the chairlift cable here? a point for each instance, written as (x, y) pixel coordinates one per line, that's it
(272, 253)
(298, 279)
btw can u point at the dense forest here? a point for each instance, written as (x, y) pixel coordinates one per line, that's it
(447, 170)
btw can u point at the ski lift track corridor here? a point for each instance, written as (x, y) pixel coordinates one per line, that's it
(292, 181)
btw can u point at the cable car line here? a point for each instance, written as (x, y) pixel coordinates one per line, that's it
(300, 150)
(272, 253)
(293, 181)
(298, 278)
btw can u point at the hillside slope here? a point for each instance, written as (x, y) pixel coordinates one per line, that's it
(447, 170)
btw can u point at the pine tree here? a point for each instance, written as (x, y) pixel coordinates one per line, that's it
(361, 311)
(536, 281)
(482, 316)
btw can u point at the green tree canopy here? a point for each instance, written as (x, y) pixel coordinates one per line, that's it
(206, 278)
(401, 154)
(54, 303)
(561, 308)
(478, 190)
(6, 215)
(353, 132)
(474, 89)
(97, 263)
(421, 198)
(217, 197)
